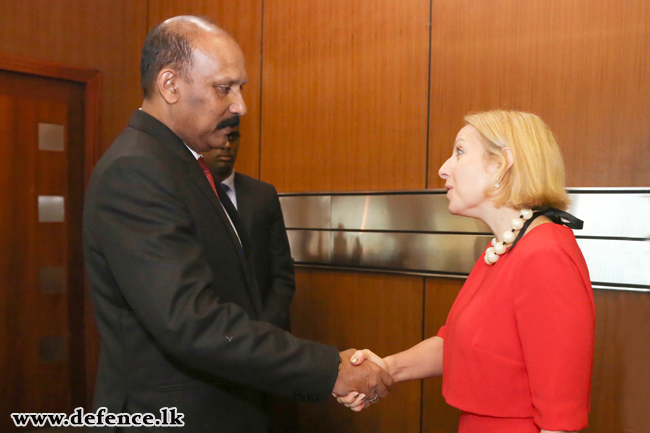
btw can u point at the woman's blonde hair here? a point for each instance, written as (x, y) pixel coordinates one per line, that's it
(536, 179)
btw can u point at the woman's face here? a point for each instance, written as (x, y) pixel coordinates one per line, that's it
(467, 175)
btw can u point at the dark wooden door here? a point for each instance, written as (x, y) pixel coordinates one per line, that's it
(41, 263)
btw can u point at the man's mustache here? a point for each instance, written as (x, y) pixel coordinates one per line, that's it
(230, 122)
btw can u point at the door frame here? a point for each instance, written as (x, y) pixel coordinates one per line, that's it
(91, 79)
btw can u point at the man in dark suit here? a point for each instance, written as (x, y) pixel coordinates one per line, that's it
(168, 259)
(259, 207)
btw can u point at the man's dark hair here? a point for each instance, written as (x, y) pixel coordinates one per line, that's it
(168, 44)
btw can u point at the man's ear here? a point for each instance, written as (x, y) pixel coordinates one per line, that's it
(167, 85)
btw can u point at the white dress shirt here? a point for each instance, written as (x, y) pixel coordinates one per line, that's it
(229, 185)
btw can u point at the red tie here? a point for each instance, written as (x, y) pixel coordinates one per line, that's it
(206, 170)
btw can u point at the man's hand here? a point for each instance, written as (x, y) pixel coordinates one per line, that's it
(357, 401)
(367, 378)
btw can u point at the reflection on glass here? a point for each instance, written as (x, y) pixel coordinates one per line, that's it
(414, 232)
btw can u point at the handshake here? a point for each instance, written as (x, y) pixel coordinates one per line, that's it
(360, 383)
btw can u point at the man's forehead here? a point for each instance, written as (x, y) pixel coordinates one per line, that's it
(225, 55)
(213, 40)
(220, 47)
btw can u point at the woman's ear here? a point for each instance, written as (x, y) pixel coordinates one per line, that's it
(166, 83)
(498, 169)
(510, 160)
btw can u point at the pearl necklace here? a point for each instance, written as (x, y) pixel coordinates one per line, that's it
(499, 248)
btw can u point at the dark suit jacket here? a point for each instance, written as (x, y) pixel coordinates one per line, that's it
(176, 302)
(259, 207)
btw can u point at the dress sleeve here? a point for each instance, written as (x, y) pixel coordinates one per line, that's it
(555, 318)
(441, 332)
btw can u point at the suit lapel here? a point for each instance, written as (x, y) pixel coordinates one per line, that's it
(244, 206)
(151, 126)
(243, 231)
(243, 248)
(199, 179)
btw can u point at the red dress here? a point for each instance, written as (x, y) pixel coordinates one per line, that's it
(519, 339)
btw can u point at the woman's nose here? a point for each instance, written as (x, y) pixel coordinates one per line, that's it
(445, 169)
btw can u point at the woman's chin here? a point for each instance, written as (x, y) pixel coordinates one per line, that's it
(452, 209)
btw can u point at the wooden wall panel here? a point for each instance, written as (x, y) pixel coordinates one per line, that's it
(102, 34)
(620, 395)
(583, 65)
(340, 103)
(437, 415)
(344, 95)
(243, 20)
(375, 311)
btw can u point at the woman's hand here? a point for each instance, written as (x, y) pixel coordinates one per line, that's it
(362, 355)
(358, 401)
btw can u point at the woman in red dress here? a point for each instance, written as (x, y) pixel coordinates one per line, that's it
(518, 341)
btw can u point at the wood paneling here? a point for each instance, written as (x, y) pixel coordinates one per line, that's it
(82, 152)
(582, 65)
(42, 339)
(7, 257)
(102, 34)
(344, 94)
(243, 20)
(339, 102)
(620, 393)
(83, 95)
(437, 415)
(379, 312)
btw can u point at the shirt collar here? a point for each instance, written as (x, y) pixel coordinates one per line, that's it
(196, 155)
(230, 181)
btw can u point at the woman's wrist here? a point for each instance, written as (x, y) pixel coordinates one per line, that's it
(392, 368)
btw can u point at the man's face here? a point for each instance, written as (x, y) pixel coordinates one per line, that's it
(210, 102)
(222, 160)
